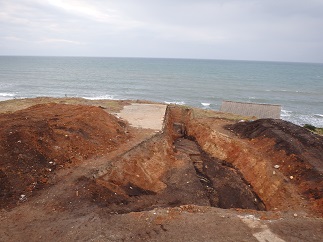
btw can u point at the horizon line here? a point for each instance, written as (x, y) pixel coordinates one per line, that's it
(171, 58)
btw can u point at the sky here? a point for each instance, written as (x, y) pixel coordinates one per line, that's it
(268, 30)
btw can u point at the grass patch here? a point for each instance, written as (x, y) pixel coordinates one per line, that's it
(314, 129)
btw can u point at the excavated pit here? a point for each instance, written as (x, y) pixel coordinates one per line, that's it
(199, 161)
(188, 176)
(189, 163)
(224, 185)
(171, 169)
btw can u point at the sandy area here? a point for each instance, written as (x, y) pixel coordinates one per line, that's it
(146, 116)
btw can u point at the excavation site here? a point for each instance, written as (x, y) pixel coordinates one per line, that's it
(103, 170)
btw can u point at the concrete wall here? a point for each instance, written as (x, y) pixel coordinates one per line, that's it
(251, 109)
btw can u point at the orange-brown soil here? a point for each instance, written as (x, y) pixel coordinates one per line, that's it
(284, 172)
(37, 141)
(77, 172)
(297, 151)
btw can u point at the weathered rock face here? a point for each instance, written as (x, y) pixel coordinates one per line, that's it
(36, 141)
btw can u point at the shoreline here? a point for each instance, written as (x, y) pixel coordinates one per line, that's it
(284, 114)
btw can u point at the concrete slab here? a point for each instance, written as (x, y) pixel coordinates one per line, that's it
(259, 110)
(146, 116)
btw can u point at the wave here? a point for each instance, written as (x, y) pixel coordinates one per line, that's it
(285, 113)
(7, 94)
(293, 91)
(174, 102)
(103, 97)
(206, 104)
(4, 96)
(302, 119)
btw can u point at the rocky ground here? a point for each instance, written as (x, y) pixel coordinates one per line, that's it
(74, 169)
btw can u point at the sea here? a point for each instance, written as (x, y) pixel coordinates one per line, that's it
(297, 87)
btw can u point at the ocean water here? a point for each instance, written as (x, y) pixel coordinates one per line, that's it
(298, 87)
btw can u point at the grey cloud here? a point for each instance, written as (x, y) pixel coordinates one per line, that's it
(227, 29)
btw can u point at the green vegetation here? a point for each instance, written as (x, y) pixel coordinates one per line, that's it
(310, 127)
(319, 131)
(314, 129)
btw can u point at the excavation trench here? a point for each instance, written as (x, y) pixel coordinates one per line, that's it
(171, 169)
(224, 185)
(182, 175)
(198, 161)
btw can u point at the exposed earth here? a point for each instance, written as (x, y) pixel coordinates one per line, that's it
(81, 170)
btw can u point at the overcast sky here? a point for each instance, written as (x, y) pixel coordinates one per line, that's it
(277, 30)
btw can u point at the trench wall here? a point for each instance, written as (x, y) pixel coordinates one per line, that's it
(270, 185)
(146, 164)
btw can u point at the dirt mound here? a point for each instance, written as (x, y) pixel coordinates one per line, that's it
(302, 163)
(37, 140)
(289, 137)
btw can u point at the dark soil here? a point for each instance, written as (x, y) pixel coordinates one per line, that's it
(303, 148)
(289, 137)
(203, 181)
(224, 185)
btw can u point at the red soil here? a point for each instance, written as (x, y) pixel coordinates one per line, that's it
(36, 141)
